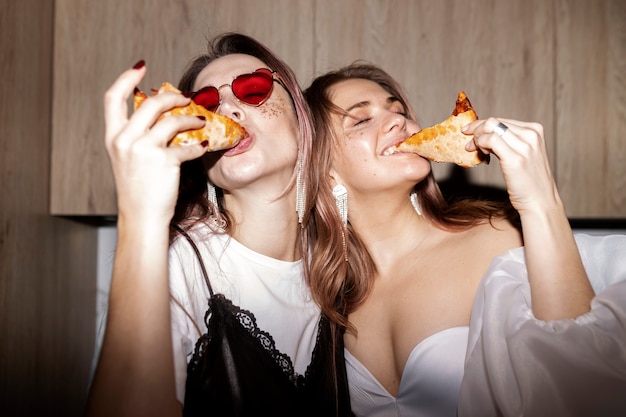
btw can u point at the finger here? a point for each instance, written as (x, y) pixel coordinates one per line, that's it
(493, 136)
(491, 143)
(189, 152)
(515, 133)
(169, 126)
(150, 112)
(483, 126)
(491, 125)
(116, 99)
(520, 147)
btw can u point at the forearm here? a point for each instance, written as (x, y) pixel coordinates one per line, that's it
(559, 284)
(135, 374)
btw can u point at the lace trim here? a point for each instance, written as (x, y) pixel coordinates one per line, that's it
(247, 321)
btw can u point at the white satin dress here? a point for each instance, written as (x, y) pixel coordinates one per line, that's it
(508, 363)
(519, 366)
(430, 382)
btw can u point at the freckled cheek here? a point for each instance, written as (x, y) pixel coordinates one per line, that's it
(358, 149)
(353, 135)
(273, 109)
(356, 155)
(355, 158)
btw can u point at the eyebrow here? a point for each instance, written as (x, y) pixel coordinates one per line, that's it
(361, 104)
(357, 106)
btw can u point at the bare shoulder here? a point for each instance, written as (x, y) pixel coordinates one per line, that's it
(474, 249)
(489, 239)
(497, 237)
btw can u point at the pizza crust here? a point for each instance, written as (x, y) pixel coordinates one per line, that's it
(220, 131)
(445, 142)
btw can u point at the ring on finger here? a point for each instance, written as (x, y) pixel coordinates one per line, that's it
(500, 129)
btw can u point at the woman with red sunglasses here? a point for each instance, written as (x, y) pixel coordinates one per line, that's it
(210, 311)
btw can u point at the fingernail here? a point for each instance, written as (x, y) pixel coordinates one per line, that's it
(187, 94)
(468, 145)
(201, 117)
(204, 143)
(140, 64)
(464, 128)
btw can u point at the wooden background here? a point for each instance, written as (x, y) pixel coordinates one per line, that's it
(47, 264)
(559, 62)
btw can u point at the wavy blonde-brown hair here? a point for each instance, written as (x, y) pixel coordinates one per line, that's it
(340, 286)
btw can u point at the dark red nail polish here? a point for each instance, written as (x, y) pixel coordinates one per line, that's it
(139, 65)
(187, 94)
(201, 117)
(205, 143)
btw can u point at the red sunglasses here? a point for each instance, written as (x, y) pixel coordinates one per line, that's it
(253, 89)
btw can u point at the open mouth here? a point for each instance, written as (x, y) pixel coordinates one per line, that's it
(393, 148)
(241, 147)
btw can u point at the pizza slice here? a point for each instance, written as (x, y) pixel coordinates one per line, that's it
(445, 142)
(221, 131)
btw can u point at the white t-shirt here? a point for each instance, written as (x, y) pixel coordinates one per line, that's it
(273, 290)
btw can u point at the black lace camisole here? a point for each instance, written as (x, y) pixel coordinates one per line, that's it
(236, 369)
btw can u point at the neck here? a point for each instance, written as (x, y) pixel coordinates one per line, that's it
(266, 224)
(389, 226)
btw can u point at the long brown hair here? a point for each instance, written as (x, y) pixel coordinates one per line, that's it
(338, 286)
(192, 205)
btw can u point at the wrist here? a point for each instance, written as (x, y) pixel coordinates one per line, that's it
(544, 211)
(144, 230)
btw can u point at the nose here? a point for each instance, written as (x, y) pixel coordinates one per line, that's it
(394, 121)
(229, 104)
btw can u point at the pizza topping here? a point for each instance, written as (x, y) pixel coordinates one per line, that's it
(445, 142)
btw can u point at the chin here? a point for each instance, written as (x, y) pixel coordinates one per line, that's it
(419, 170)
(233, 173)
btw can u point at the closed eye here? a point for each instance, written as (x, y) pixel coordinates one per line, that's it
(361, 121)
(395, 105)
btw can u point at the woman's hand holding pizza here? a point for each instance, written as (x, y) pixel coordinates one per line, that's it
(520, 148)
(146, 170)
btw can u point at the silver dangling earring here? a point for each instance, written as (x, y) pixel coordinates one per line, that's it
(212, 195)
(416, 204)
(341, 200)
(300, 193)
(216, 219)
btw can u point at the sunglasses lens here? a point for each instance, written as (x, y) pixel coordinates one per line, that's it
(207, 97)
(253, 88)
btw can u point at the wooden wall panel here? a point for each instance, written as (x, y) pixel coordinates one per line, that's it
(96, 41)
(47, 264)
(502, 53)
(499, 53)
(591, 107)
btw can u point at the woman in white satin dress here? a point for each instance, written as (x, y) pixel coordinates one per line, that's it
(445, 312)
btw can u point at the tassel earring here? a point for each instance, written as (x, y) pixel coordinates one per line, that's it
(300, 193)
(341, 200)
(212, 195)
(415, 203)
(216, 219)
